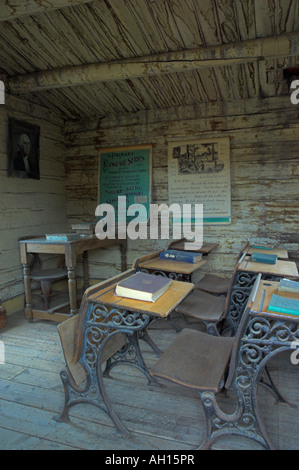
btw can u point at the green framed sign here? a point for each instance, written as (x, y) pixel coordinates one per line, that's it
(125, 171)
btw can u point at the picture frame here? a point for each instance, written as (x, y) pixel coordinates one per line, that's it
(23, 149)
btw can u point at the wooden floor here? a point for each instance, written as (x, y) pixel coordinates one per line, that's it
(160, 418)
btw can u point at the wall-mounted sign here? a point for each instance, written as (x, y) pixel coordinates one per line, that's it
(125, 171)
(199, 173)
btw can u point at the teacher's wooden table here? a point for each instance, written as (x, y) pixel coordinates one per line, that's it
(71, 250)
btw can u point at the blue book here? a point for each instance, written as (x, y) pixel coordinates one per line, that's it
(184, 256)
(283, 305)
(263, 258)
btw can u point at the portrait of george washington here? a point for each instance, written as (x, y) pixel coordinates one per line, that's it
(23, 149)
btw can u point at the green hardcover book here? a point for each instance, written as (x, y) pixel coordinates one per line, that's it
(283, 305)
(263, 258)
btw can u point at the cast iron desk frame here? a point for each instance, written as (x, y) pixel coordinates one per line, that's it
(243, 282)
(104, 315)
(71, 250)
(265, 336)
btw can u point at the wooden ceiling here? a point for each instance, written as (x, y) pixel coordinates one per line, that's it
(103, 57)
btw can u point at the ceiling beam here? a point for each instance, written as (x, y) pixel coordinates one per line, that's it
(170, 62)
(12, 9)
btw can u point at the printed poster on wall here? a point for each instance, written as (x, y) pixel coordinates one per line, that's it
(125, 171)
(199, 173)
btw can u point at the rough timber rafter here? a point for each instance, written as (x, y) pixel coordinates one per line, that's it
(180, 61)
(12, 9)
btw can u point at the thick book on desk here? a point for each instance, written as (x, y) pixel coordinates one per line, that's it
(263, 258)
(286, 285)
(284, 305)
(184, 256)
(143, 286)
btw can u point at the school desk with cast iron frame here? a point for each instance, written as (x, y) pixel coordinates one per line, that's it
(102, 318)
(266, 335)
(243, 281)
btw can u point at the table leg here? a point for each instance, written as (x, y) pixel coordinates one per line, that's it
(70, 261)
(85, 271)
(28, 295)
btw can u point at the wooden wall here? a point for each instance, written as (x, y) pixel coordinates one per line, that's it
(264, 170)
(28, 206)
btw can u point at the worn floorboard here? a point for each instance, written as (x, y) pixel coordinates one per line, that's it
(168, 417)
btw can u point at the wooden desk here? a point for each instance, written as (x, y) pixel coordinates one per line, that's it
(176, 270)
(266, 335)
(205, 249)
(71, 250)
(280, 269)
(102, 317)
(281, 253)
(243, 281)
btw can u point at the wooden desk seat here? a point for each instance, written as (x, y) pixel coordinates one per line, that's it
(205, 307)
(205, 360)
(213, 284)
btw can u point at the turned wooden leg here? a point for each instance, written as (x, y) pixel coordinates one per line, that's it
(46, 289)
(70, 261)
(28, 296)
(85, 271)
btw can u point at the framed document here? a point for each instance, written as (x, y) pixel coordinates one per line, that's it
(199, 173)
(125, 171)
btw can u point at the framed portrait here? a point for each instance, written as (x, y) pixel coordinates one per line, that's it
(23, 149)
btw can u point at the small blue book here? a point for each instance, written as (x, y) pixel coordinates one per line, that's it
(283, 305)
(263, 258)
(184, 256)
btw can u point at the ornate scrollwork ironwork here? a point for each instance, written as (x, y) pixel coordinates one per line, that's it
(171, 275)
(101, 324)
(242, 286)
